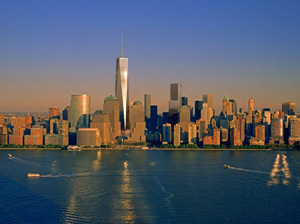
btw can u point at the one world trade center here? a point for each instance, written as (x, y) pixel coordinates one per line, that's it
(122, 87)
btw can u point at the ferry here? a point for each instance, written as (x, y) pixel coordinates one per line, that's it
(10, 156)
(125, 164)
(226, 166)
(31, 175)
(74, 148)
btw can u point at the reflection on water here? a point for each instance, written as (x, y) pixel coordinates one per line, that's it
(96, 163)
(129, 215)
(285, 170)
(276, 170)
(127, 194)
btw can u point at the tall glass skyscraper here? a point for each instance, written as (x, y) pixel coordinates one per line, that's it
(80, 111)
(122, 87)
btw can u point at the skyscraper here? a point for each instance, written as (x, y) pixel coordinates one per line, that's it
(147, 104)
(53, 112)
(288, 107)
(137, 122)
(175, 103)
(111, 107)
(207, 98)
(250, 107)
(154, 117)
(122, 87)
(198, 108)
(185, 101)
(80, 111)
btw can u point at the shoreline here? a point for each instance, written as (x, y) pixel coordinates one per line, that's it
(149, 149)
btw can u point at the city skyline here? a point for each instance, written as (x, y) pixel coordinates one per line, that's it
(210, 48)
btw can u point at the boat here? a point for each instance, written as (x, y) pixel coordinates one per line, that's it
(33, 175)
(145, 148)
(226, 166)
(74, 148)
(125, 164)
(10, 156)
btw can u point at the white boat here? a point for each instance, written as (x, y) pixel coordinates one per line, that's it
(74, 148)
(33, 175)
(125, 164)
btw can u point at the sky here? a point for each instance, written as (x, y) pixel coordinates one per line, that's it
(50, 50)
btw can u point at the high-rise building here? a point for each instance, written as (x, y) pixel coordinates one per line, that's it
(111, 108)
(122, 87)
(240, 127)
(167, 133)
(137, 122)
(198, 108)
(2, 120)
(80, 111)
(235, 138)
(201, 128)
(260, 132)
(88, 137)
(226, 105)
(53, 112)
(176, 136)
(66, 114)
(185, 101)
(147, 104)
(233, 106)
(185, 120)
(250, 107)
(101, 121)
(288, 107)
(207, 98)
(277, 128)
(192, 133)
(175, 102)
(153, 117)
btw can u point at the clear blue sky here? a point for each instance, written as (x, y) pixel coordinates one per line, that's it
(52, 49)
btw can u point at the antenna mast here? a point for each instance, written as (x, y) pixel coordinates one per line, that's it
(122, 45)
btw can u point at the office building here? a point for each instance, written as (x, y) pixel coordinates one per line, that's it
(250, 106)
(101, 122)
(192, 133)
(88, 137)
(147, 104)
(233, 106)
(66, 114)
(175, 102)
(122, 87)
(80, 111)
(167, 133)
(111, 108)
(185, 101)
(201, 128)
(53, 112)
(198, 108)
(176, 135)
(137, 122)
(153, 118)
(288, 107)
(240, 123)
(208, 99)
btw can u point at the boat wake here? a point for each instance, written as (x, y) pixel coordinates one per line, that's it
(66, 175)
(168, 198)
(17, 160)
(249, 171)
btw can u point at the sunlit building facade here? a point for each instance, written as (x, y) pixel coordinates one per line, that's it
(80, 111)
(122, 88)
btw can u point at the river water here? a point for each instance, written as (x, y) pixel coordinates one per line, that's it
(156, 187)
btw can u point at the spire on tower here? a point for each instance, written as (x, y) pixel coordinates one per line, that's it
(122, 45)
